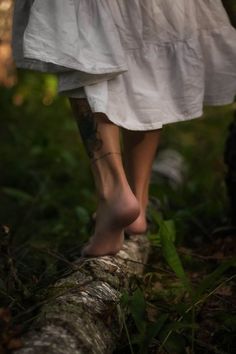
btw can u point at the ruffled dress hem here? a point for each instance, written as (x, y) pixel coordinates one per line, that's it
(166, 57)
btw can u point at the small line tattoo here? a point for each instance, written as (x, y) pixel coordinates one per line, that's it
(105, 155)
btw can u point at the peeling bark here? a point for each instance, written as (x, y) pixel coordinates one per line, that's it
(82, 312)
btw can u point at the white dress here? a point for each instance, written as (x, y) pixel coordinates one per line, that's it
(144, 63)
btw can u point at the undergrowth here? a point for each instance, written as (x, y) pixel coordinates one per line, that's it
(184, 302)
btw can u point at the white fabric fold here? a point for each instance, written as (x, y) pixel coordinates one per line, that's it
(144, 63)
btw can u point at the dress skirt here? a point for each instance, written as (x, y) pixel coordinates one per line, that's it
(144, 63)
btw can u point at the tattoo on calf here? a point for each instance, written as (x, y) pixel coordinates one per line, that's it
(89, 133)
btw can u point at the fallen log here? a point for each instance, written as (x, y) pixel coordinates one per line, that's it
(82, 312)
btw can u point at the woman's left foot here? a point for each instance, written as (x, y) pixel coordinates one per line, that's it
(139, 226)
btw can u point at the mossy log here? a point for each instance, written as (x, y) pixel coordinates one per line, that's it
(82, 312)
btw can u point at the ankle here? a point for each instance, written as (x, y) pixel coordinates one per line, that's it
(112, 189)
(103, 156)
(109, 176)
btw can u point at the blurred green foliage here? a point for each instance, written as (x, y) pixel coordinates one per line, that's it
(47, 198)
(46, 188)
(42, 156)
(47, 193)
(200, 205)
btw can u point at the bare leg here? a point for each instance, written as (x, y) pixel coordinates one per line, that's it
(117, 205)
(139, 152)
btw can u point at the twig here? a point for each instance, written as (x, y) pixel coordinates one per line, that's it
(56, 255)
(12, 298)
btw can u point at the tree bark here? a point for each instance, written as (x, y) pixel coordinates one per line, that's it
(82, 312)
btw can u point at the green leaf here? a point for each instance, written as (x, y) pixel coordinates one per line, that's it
(167, 235)
(51, 84)
(154, 328)
(124, 300)
(138, 308)
(155, 216)
(17, 194)
(68, 158)
(82, 214)
(169, 228)
(154, 239)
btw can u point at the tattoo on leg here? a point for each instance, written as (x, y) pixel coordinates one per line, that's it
(89, 133)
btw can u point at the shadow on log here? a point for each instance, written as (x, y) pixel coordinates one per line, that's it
(82, 312)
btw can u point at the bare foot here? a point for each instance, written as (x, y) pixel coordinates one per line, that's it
(112, 216)
(139, 225)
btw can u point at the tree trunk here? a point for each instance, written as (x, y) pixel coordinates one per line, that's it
(82, 312)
